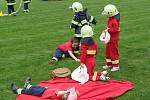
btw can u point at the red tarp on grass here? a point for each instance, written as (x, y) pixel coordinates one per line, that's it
(88, 91)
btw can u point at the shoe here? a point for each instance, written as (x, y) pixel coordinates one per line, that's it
(9, 14)
(27, 82)
(104, 76)
(106, 67)
(14, 14)
(63, 56)
(26, 11)
(14, 88)
(53, 61)
(107, 78)
(115, 69)
(105, 73)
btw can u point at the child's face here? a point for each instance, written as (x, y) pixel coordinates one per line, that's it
(75, 45)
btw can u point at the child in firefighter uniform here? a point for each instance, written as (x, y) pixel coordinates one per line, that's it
(113, 28)
(66, 50)
(81, 18)
(10, 5)
(45, 92)
(88, 52)
(26, 5)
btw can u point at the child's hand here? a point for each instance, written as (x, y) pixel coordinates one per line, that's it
(106, 30)
(82, 65)
(78, 60)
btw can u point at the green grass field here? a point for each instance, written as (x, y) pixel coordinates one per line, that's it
(28, 41)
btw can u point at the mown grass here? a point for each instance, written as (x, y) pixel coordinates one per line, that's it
(28, 41)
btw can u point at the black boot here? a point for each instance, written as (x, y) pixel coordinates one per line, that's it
(27, 82)
(14, 88)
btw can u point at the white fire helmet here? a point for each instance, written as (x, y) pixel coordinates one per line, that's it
(76, 7)
(110, 10)
(86, 31)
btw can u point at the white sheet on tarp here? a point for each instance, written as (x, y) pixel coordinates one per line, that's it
(80, 74)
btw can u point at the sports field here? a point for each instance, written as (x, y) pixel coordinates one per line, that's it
(28, 41)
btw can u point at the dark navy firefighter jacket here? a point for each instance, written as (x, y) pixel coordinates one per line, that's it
(80, 19)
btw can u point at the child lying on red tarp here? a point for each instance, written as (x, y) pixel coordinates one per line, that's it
(66, 50)
(28, 89)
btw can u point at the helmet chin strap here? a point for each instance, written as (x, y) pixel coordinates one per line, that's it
(75, 9)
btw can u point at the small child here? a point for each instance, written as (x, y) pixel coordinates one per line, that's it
(28, 89)
(26, 5)
(81, 18)
(113, 28)
(88, 52)
(66, 50)
(11, 10)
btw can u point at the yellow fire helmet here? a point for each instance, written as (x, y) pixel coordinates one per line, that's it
(86, 31)
(110, 10)
(76, 7)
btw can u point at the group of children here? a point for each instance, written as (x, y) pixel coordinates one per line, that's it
(11, 3)
(84, 42)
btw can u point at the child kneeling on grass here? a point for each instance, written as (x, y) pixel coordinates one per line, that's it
(66, 50)
(88, 53)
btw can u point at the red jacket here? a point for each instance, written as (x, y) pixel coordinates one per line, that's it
(66, 47)
(114, 28)
(88, 51)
